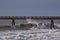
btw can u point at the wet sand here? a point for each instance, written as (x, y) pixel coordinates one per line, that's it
(16, 27)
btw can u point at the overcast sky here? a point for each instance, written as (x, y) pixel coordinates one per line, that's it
(29, 7)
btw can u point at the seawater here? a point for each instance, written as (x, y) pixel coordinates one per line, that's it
(32, 34)
(8, 22)
(36, 34)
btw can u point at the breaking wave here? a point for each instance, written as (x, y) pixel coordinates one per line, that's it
(41, 25)
(39, 32)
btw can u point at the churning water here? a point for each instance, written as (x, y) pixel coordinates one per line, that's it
(33, 34)
(36, 34)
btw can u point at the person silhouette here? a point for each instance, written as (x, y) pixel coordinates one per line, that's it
(52, 24)
(13, 22)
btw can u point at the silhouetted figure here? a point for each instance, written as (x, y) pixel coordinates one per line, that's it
(13, 22)
(52, 24)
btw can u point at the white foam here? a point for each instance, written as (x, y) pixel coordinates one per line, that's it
(41, 34)
(32, 21)
(57, 24)
(32, 34)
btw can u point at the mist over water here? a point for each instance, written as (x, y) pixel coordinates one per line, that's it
(41, 32)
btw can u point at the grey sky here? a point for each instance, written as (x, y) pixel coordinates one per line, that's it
(29, 7)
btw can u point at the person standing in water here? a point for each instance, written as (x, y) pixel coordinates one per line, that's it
(52, 24)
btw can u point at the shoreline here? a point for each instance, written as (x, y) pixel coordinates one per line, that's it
(16, 27)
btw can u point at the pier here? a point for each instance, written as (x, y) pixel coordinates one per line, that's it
(32, 17)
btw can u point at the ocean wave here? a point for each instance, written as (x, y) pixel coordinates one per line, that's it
(30, 35)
